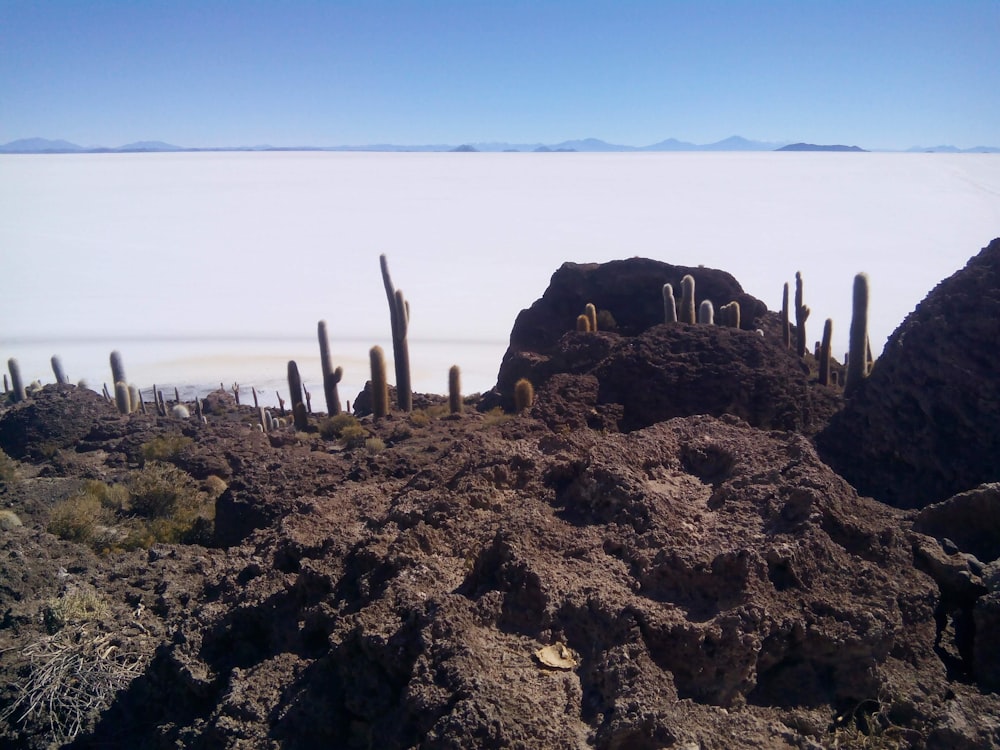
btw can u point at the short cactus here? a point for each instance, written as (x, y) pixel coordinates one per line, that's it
(582, 323)
(17, 385)
(58, 371)
(706, 313)
(524, 395)
(380, 387)
(122, 398)
(454, 390)
(729, 315)
(669, 304)
(299, 415)
(686, 314)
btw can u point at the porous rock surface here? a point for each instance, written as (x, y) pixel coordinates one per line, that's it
(925, 424)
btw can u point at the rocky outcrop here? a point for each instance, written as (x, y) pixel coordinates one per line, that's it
(673, 370)
(56, 417)
(631, 291)
(926, 423)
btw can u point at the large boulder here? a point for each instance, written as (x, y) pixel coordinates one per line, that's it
(925, 424)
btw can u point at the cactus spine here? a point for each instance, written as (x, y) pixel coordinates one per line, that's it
(824, 353)
(330, 376)
(857, 358)
(686, 313)
(295, 392)
(380, 387)
(454, 390)
(17, 385)
(58, 371)
(524, 395)
(591, 312)
(399, 317)
(706, 313)
(801, 314)
(669, 304)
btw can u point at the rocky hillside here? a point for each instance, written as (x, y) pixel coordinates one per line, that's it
(651, 555)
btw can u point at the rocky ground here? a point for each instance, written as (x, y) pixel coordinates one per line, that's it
(653, 555)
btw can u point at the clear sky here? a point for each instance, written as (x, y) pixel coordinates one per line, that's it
(879, 74)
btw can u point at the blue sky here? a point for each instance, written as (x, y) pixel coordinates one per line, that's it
(212, 73)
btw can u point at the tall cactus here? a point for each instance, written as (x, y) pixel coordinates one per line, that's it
(399, 317)
(454, 390)
(117, 368)
(686, 314)
(299, 415)
(16, 384)
(801, 314)
(380, 386)
(786, 326)
(330, 376)
(58, 371)
(669, 304)
(591, 312)
(824, 352)
(857, 359)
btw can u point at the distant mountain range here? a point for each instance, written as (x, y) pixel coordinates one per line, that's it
(590, 145)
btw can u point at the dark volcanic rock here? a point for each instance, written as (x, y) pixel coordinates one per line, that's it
(925, 425)
(631, 290)
(678, 370)
(970, 519)
(57, 417)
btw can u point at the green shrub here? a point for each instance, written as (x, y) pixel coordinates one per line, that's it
(353, 436)
(165, 448)
(332, 428)
(374, 445)
(8, 469)
(74, 606)
(158, 504)
(76, 519)
(160, 490)
(9, 520)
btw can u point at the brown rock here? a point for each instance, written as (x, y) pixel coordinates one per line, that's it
(925, 424)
